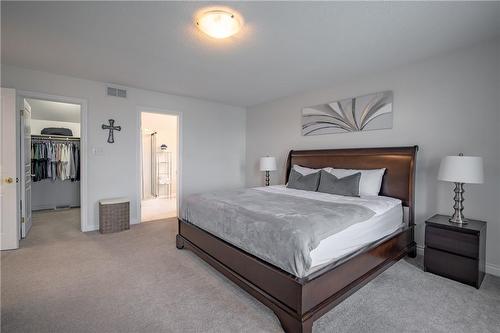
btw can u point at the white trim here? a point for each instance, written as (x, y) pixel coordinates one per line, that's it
(84, 223)
(420, 250)
(490, 268)
(493, 269)
(146, 109)
(139, 164)
(51, 207)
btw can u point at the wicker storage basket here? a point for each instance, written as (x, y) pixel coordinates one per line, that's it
(114, 215)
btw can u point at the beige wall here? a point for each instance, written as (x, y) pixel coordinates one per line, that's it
(446, 105)
(213, 137)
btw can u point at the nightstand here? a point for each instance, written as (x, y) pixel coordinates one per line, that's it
(456, 252)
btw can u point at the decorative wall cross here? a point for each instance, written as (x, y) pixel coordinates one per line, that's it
(111, 127)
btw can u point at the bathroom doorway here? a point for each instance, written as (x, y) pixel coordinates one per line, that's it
(159, 165)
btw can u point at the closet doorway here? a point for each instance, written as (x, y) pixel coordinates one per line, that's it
(50, 165)
(159, 164)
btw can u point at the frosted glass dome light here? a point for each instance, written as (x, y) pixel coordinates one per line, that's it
(219, 23)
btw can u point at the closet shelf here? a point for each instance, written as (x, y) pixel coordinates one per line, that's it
(54, 137)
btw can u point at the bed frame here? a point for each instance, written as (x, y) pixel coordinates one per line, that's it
(298, 302)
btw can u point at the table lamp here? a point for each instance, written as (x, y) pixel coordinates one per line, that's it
(461, 170)
(267, 164)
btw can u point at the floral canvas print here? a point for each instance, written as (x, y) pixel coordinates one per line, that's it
(364, 113)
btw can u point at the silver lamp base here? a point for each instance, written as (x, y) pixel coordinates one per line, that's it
(267, 178)
(460, 221)
(458, 216)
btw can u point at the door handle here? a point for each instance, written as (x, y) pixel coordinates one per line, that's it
(9, 180)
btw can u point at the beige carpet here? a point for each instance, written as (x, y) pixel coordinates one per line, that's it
(62, 280)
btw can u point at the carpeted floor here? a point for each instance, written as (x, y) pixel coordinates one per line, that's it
(62, 280)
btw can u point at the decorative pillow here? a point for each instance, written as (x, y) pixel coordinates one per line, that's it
(303, 170)
(300, 182)
(370, 182)
(348, 186)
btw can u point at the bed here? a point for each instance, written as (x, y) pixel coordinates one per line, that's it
(299, 296)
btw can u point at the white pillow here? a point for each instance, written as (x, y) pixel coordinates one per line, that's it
(303, 170)
(369, 183)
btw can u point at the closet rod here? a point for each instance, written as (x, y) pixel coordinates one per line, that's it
(55, 137)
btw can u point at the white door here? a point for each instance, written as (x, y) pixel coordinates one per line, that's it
(8, 172)
(25, 169)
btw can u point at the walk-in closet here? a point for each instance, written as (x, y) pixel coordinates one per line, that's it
(52, 189)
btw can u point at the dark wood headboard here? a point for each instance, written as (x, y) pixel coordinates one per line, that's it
(399, 178)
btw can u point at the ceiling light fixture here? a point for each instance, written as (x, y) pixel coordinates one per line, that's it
(219, 23)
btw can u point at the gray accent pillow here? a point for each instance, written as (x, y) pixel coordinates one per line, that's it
(348, 186)
(299, 182)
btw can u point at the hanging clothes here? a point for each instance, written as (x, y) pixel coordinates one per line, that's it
(75, 163)
(51, 159)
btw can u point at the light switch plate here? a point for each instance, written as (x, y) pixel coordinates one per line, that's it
(97, 151)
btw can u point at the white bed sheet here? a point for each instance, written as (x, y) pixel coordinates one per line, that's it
(387, 219)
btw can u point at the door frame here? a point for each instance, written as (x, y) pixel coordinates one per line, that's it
(23, 160)
(21, 94)
(178, 194)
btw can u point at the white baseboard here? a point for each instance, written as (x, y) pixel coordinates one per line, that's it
(90, 228)
(52, 207)
(493, 269)
(95, 227)
(490, 268)
(420, 250)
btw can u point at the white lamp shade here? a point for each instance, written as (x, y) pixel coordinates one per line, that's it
(267, 163)
(461, 169)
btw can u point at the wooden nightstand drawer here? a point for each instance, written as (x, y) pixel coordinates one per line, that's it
(453, 266)
(452, 241)
(455, 251)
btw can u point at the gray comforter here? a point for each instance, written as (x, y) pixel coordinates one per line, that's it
(278, 228)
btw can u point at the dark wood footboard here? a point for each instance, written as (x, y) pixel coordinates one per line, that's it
(298, 302)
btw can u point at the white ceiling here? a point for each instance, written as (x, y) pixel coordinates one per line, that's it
(55, 111)
(284, 47)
